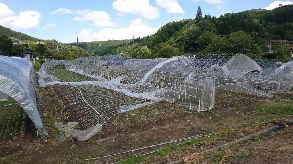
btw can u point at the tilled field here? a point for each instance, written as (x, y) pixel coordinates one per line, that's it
(164, 133)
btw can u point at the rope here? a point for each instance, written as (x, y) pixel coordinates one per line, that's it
(182, 140)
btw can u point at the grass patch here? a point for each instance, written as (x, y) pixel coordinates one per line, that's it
(277, 110)
(216, 157)
(168, 149)
(64, 75)
(9, 159)
(133, 159)
(241, 154)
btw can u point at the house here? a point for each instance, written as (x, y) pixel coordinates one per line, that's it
(16, 41)
(28, 53)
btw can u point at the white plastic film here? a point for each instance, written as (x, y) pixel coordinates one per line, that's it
(17, 81)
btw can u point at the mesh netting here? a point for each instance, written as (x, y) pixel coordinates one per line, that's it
(111, 85)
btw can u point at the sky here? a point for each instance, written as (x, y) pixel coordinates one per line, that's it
(99, 20)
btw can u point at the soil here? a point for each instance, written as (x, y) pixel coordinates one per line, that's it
(234, 116)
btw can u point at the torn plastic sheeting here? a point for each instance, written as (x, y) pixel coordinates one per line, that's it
(17, 81)
(80, 135)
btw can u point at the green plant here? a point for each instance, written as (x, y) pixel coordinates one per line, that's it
(132, 159)
(278, 110)
(216, 157)
(64, 75)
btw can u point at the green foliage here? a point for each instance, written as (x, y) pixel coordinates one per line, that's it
(132, 159)
(63, 74)
(138, 51)
(279, 110)
(166, 33)
(246, 32)
(241, 42)
(5, 44)
(14, 34)
(216, 157)
(16, 50)
(205, 39)
(38, 63)
(188, 38)
(12, 119)
(167, 51)
(218, 45)
(103, 47)
(279, 50)
(40, 50)
(168, 149)
(198, 13)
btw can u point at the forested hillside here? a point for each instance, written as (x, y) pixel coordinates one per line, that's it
(247, 32)
(41, 48)
(102, 47)
(14, 34)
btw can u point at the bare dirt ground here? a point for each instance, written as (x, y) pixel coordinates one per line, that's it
(234, 116)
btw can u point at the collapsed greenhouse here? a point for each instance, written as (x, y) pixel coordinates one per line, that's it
(17, 80)
(112, 85)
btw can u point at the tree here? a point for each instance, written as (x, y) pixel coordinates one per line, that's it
(205, 39)
(198, 14)
(206, 25)
(41, 49)
(167, 51)
(218, 45)
(5, 44)
(138, 51)
(188, 38)
(240, 42)
(16, 50)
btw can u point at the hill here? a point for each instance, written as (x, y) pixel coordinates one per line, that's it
(247, 32)
(14, 34)
(40, 48)
(102, 47)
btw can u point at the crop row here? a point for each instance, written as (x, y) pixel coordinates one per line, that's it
(12, 120)
(88, 104)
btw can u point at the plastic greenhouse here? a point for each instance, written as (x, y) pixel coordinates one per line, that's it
(17, 81)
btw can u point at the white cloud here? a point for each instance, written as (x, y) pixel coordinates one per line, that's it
(277, 3)
(171, 6)
(62, 11)
(25, 19)
(214, 1)
(51, 25)
(120, 15)
(211, 1)
(5, 11)
(137, 29)
(139, 7)
(99, 18)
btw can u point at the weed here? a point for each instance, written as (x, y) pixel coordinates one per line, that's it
(132, 159)
(278, 110)
(241, 154)
(216, 157)
(11, 158)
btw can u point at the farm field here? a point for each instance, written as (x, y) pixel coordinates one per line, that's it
(160, 132)
(235, 116)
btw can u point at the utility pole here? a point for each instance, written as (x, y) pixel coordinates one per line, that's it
(76, 38)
